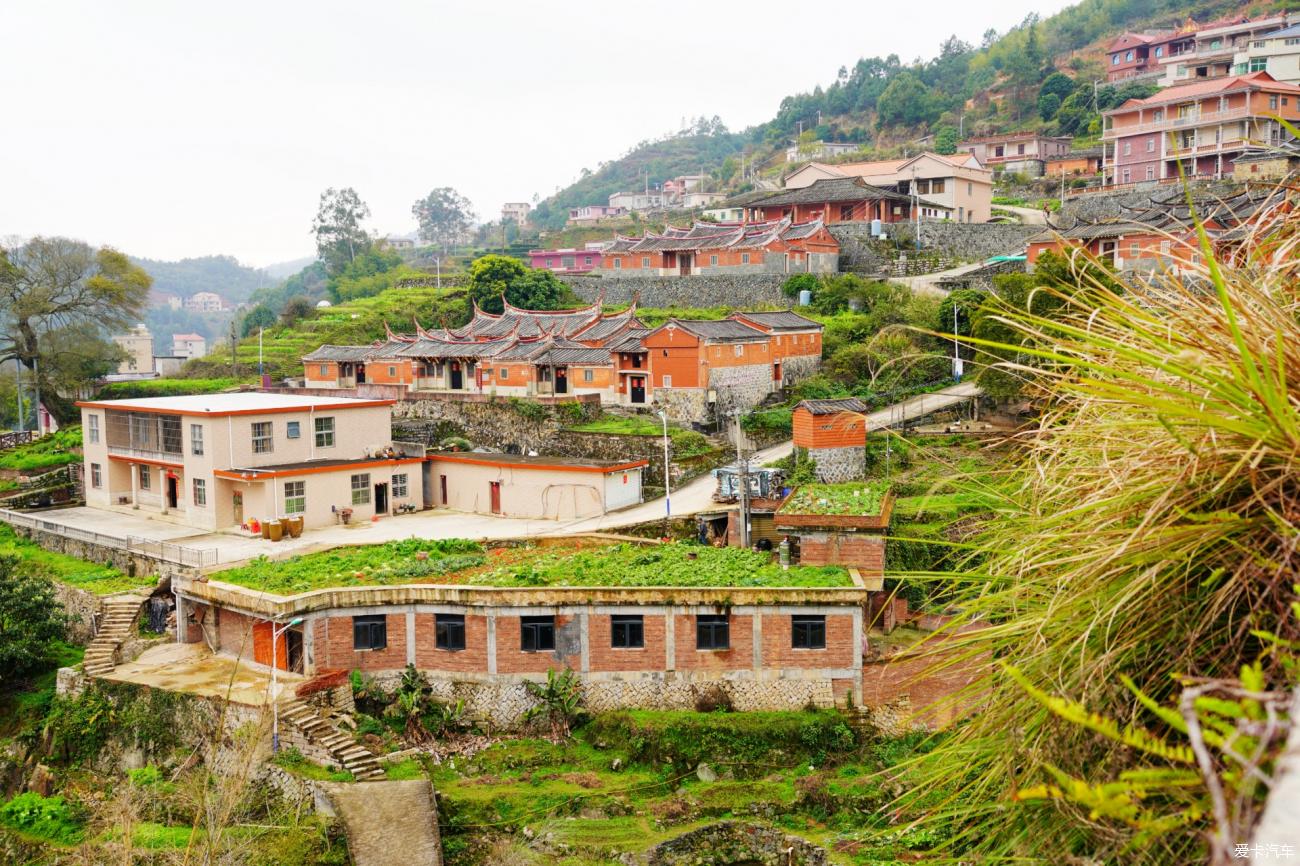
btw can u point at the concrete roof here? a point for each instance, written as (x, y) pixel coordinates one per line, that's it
(545, 461)
(237, 403)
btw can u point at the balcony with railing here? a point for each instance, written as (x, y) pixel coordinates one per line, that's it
(1168, 124)
(144, 436)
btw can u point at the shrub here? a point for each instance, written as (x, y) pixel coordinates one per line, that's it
(50, 818)
(798, 283)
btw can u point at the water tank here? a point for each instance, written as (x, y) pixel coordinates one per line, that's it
(875, 228)
(805, 297)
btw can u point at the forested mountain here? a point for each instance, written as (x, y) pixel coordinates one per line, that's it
(1038, 75)
(223, 275)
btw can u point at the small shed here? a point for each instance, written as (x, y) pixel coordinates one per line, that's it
(834, 433)
(516, 485)
(839, 524)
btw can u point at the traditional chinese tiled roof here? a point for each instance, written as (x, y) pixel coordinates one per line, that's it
(831, 189)
(354, 354)
(779, 320)
(452, 349)
(832, 407)
(712, 236)
(718, 330)
(634, 341)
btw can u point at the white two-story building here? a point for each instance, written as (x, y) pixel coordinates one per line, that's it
(218, 461)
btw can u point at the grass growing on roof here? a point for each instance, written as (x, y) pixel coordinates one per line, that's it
(660, 565)
(99, 579)
(853, 498)
(370, 565)
(686, 443)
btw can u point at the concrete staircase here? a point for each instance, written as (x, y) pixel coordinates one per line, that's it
(351, 757)
(119, 616)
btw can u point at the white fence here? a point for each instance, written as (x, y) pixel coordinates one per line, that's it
(164, 551)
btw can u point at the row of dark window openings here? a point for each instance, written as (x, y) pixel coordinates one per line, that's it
(537, 633)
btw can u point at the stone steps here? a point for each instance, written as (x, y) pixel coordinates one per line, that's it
(359, 762)
(115, 626)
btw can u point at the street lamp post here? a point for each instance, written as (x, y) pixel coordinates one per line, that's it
(668, 499)
(275, 682)
(957, 366)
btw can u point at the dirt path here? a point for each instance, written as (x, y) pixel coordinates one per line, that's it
(389, 823)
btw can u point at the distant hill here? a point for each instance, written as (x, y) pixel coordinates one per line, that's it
(891, 107)
(223, 275)
(280, 270)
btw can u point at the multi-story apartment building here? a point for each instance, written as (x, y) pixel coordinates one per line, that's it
(215, 461)
(1277, 53)
(1018, 151)
(516, 211)
(138, 345)
(204, 302)
(189, 346)
(1201, 126)
(1215, 49)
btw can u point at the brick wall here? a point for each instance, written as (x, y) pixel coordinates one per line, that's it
(739, 657)
(651, 657)
(856, 550)
(472, 659)
(926, 681)
(512, 660)
(235, 633)
(334, 646)
(777, 651)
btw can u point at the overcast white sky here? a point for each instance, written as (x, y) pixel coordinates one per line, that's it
(183, 129)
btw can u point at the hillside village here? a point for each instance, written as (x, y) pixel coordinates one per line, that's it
(911, 481)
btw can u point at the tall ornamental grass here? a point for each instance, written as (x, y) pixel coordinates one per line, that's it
(1152, 535)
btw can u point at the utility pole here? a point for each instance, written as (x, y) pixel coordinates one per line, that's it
(234, 373)
(742, 465)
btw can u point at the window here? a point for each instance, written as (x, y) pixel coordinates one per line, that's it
(146, 477)
(1020, 150)
(449, 631)
(807, 631)
(399, 486)
(92, 429)
(1127, 176)
(536, 633)
(324, 432)
(712, 632)
(96, 475)
(295, 497)
(392, 372)
(586, 261)
(324, 370)
(196, 439)
(1272, 101)
(1151, 145)
(361, 489)
(645, 261)
(370, 632)
(744, 258)
(1133, 250)
(1128, 148)
(262, 437)
(936, 186)
(713, 260)
(970, 189)
(626, 632)
(846, 213)
(923, 186)
(667, 382)
(568, 263)
(1114, 60)
(1158, 115)
(1294, 40)
(1160, 51)
(618, 263)
(293, 430)
(200, 494)
(1151, 173)
(588, 375)
(504, 373)
(740, 350)
(1128, 56)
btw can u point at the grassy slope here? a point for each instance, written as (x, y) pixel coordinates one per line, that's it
(99, 579)
(352, 323)
(48, 452)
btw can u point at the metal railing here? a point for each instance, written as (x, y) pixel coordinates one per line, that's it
(1168, 124)
(165, 551)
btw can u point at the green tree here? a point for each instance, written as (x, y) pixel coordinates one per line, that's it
(906, 101)
(945, 141)
(1074, 114)
(1048, 105)
(1058, 83)
(296, 308)
(257, 318)
(58, 298)
(492, 276)
(340, 237)
(354, 281)
(444, 216)
(30, 618)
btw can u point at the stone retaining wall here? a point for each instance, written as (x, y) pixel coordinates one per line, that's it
(835, 465)
(967, 242)
(504, 424)
(714, 290)
(738, 842)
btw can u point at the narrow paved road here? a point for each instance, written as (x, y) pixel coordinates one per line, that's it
(697, 495)
(1030, 216)
(389, 823)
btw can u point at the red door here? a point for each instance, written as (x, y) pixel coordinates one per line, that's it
(495, 487)
(262, 646)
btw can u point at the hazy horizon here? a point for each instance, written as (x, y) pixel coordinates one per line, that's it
(172, 132)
